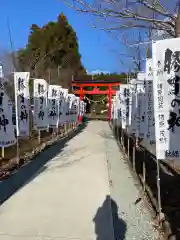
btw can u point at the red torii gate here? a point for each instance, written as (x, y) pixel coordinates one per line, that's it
(79, 88)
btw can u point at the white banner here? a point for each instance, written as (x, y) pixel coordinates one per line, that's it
(21, 84)
(132, 106)
(78, 108)
(69, 106)
(7, 130)
(1, 71)
(140, 106)
(127, 98)
(40, 104)
(74, 109)
(53, 105)
(123, 89)
(64, 108)
(117, 108)
(81, 108)
(150, 122)
(113, 109)
(166, 66)
(61, 106)
(84, 107)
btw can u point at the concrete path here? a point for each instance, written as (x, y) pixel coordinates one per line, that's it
(69, 197)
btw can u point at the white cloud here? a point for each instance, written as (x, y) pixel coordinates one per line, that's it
(98, 71)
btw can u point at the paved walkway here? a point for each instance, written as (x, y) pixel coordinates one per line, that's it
(69, 197)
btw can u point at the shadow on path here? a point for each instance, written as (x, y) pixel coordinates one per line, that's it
(102, 221)
(30, 170)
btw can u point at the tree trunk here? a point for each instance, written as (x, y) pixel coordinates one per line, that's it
(177, 26)
(148, 52)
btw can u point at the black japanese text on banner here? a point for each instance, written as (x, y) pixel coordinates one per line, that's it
(7, 133)
(140, 106)
(74, 109)
(117, 108)
(82, 107)
(40, 104)
(123, 104)
(150, 123)
(21, 83)
(65, 116)
(114, 109)
(53, 105)
(166, 70)
(61, 106)
(132, 106)
(77, 108)
(68, 107)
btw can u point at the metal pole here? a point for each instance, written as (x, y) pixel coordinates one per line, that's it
(159, 190)
(17, 151)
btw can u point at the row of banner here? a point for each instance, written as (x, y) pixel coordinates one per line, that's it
(53, 107)
(148, 107)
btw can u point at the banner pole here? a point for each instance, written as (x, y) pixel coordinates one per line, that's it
(144, 171)
(159, 191)
(39, 136)
(128, 145)
(17, 151)
(134, 155)
(2, 149)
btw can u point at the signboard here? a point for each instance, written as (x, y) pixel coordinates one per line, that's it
(166, 66)
(21, 84)
(40, 104)
(53, 105)
(140, 106)
(7, 133)
(150, 122)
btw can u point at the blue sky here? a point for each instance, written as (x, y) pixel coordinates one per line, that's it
(96, 47)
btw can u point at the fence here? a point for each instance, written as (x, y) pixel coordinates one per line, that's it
(143, 162)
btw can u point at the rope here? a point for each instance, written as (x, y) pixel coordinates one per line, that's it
(98, 101)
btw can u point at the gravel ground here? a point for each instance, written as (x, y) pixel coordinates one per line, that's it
(133, 221)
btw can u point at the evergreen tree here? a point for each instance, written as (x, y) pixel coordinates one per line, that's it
(54, 46)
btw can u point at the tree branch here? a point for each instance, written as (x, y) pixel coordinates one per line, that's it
(128, 14)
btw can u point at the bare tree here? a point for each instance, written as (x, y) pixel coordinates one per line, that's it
(161, 15)
(133, 52)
